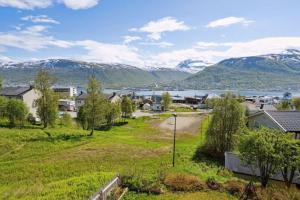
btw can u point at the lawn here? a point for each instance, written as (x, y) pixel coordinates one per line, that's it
(72, 165)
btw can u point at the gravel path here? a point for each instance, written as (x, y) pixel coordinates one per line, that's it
(188, 124)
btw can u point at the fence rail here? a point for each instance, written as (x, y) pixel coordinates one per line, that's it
(104, 192)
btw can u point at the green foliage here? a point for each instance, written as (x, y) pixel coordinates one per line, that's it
(16, 112)
(114, 112)
(296, 103)
(284, 106)
(126, 106)
(290, 159)
(140, 183)
(65, 120)
(95, 104)
(262, 149)
(82, 117)
(166, 100)
(3, 103)
(47, 103)
(226, 124)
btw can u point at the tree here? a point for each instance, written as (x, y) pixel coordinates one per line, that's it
(3, 103)
(262, 149)
(284, 106)
(82, 117)
(47, 103)
(126, 107)
(166, 100)
(290, 159)
(65, 120)
(296, 102)
(16, 112)
(94, 104)
(114, 112)
(227, 122)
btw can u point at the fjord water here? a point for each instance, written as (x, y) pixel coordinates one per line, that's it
(191, 93)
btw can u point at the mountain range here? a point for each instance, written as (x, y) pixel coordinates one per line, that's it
(265, 72)
(71, 72)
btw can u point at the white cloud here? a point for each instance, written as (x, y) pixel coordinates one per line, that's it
(213, 52)
(160, 44)
(32, 39)
(5, 59)
(262, 46)
(32, 4)
(39, 19)
(80, 4)
(109, 53)
(227, 21)
(25, 4)
(166, 24)
(128, 39)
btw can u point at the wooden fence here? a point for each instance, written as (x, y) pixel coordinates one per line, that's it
(104, 192)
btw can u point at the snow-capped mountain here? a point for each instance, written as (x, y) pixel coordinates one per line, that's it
(271, 71)
(192, 66)
(77, 72)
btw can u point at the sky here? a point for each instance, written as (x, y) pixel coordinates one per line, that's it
(145, 33)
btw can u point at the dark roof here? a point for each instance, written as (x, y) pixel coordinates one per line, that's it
(14, 91)
(83, 96)
(288, 120)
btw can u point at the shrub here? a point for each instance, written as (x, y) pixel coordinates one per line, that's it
(235, 187)
(183, 182)
(212, 183)
(141, 184)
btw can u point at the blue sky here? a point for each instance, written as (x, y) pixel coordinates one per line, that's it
(146, 33)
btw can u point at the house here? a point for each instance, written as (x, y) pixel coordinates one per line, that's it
(66, 105)
(80, 99)
(253, 108)
(25, 93)
(65, 91)
(156, 105)
(146, 106)
(287, 121)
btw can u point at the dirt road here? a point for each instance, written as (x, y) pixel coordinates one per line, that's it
(187, 124)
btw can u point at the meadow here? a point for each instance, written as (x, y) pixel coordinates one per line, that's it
(72, 165)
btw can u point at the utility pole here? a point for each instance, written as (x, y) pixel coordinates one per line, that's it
(175, 116)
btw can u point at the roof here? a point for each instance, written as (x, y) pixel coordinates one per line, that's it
(288, 120)
(83, 96)
(15, 91)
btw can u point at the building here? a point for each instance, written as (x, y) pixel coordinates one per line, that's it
(66, 105)
(25, 93)
(65, 91)
(287, 121)
(80, 99)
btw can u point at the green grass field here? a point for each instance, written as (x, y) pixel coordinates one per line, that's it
(72, 165)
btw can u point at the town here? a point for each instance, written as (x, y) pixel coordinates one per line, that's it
(264, 120)
(149, 100)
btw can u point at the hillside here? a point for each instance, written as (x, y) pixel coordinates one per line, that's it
(271, 72)
(77, 72)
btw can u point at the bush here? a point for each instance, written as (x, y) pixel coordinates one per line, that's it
(141, 184)
(212, 184)
(183, 182)
(235, 187)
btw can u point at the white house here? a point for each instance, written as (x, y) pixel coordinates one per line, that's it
(287, 121)
(27, 94)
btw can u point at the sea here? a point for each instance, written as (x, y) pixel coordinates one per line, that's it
(192, 93)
